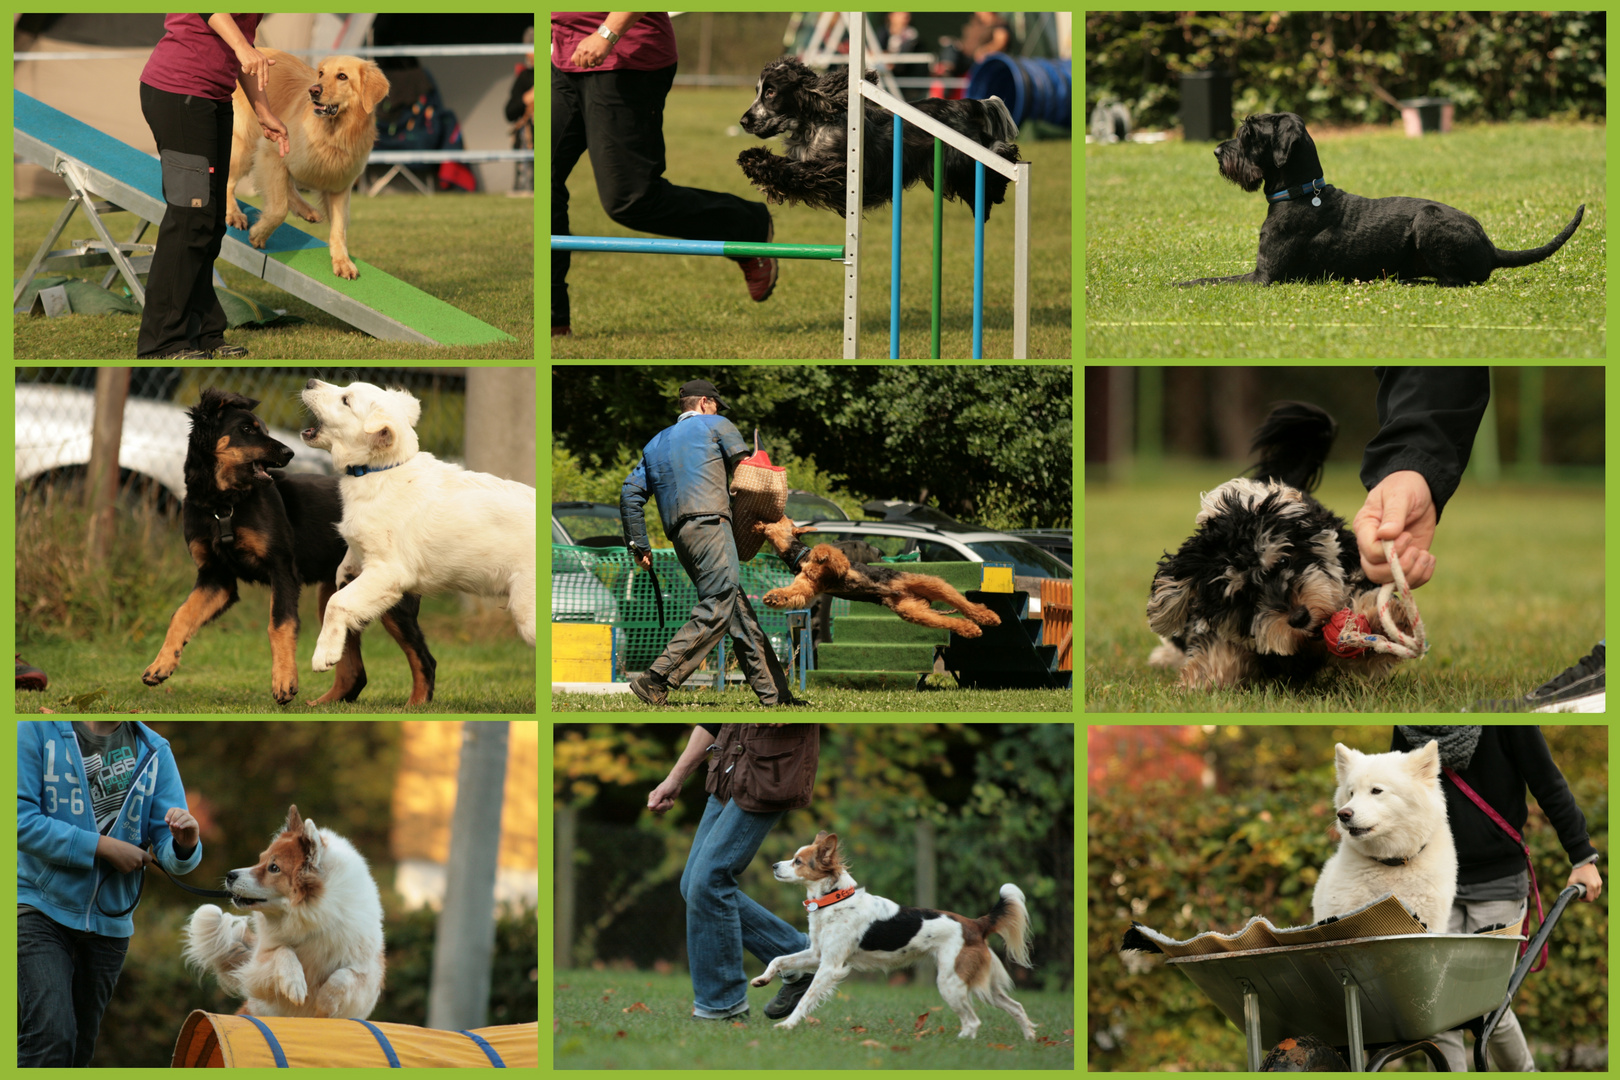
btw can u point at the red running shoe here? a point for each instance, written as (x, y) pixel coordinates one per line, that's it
(760, 274)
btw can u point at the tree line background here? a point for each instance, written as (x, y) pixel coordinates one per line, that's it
(1354, 66)
(990, 445)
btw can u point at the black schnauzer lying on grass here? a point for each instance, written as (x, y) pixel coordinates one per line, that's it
(1313, 230)
(811, 113)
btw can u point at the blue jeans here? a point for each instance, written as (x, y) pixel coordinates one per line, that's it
(720, 920)
(64, 980)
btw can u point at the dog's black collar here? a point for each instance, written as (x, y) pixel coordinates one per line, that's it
(361, 470)
(1402, 860)
(1311, 188)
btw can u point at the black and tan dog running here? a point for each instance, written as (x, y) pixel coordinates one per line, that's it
(244, 519)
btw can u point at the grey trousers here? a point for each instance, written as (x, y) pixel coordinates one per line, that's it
(708, 553)
(1507, 1049)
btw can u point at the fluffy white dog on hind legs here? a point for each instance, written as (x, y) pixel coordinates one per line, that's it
(414, 523)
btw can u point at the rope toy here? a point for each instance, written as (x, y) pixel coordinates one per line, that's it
(1350, 635)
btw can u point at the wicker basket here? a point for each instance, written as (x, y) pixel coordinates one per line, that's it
(758, 493)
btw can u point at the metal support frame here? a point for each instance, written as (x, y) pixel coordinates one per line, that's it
(1017, 172)
(856, 134)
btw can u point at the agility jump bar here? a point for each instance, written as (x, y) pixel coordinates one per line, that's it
(637, 245)
(294, 261)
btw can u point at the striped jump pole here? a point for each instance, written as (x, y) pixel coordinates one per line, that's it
(640, 245)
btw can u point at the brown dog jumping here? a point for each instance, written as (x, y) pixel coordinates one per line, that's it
(824, 569)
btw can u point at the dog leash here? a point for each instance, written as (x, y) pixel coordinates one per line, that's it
(1535, 889)
(141, 888)
(658, 591)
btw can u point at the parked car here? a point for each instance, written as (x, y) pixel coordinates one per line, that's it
(803, 508)
(1059, 542)
(586, 524)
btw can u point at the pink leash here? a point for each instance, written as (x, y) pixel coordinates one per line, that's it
(1535, 890)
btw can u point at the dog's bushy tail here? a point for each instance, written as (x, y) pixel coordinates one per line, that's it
(1010, 919)
(1293, 444)
(1535, 255)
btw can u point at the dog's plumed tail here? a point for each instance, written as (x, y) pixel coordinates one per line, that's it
(220, 943)
(1010, 919)
(1293, 444)
(1535, 255)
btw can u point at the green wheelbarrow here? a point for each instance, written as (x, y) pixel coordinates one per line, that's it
(1383, 995)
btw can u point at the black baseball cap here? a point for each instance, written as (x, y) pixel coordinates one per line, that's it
(701, 388)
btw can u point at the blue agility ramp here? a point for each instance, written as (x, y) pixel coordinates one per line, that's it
(94, 163)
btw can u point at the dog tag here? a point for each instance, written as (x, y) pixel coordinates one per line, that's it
(1316, 201)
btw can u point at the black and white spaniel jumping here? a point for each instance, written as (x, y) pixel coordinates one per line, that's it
(811, 113)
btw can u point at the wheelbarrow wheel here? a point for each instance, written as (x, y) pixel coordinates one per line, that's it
(1304, 1053)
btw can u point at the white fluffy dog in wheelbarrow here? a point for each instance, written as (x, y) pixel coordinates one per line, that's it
(1394, 837)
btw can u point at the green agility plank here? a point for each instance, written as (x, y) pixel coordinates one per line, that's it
(293, 260)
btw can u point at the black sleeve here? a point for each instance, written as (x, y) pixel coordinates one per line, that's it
(1427, 419)
(1546, 782)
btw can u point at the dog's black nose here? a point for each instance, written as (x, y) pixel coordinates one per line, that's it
(1299, 618)
(1346, 815)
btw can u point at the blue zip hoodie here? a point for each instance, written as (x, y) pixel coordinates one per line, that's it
(57, 869)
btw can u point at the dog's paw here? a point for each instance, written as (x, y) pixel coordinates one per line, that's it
(777, 598)
(309, 213)
(763, 980)
(966, 629)
(325, 657)
(235, 218)
(293, 987)
(157, 672)
(984, 616)
(345, 268)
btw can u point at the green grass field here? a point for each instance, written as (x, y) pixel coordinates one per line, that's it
(1517, 597)
(943, 696)
(643, 306)
(642, 1020)
(483, 666)
(1521, 181)
(475, 252)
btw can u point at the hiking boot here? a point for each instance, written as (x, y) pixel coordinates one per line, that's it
(787, 997)
(651, 688)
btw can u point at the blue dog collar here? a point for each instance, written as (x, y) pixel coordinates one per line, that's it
(1311, 189)
(361, 470)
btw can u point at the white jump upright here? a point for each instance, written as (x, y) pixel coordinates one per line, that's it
(1017, 172)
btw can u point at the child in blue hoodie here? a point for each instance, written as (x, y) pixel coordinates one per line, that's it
(92, 797)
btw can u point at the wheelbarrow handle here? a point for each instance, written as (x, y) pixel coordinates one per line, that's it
(1525, 962)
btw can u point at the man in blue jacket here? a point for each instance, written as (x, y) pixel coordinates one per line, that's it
(685, 468)
(91, 798)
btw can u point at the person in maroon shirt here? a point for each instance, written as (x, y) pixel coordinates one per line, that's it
(610, 73)
(186, 98)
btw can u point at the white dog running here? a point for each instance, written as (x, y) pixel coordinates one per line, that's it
(413, 523)
(1392, 812)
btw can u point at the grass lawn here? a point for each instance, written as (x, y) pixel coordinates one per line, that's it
(1516, 598)
(642, 1020)
(643, 306)
(475, 252)
(483, 666)
(942, 696)
(1522, 182)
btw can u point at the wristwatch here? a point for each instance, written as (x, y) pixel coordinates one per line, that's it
(607, 35)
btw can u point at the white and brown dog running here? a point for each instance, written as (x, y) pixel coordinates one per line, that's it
(850, 929)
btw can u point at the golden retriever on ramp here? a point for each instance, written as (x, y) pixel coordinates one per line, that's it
(330, 114)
